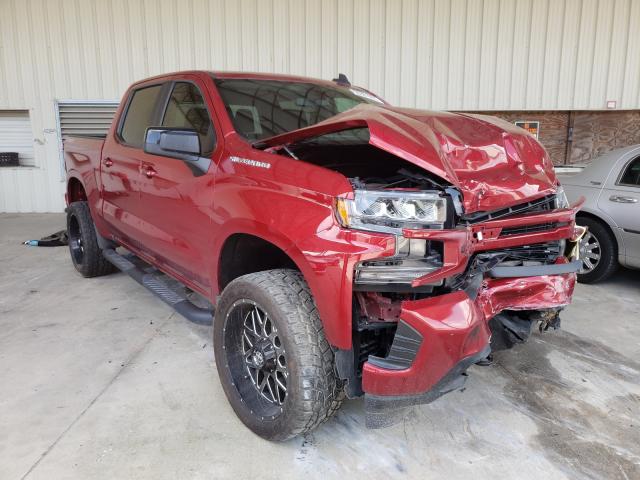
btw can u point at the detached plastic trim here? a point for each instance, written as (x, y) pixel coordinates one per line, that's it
(403, 351)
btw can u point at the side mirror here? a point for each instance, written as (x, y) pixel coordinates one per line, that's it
(180, 143)
(171, 142)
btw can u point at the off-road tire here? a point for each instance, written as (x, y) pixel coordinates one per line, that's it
(608, 262)
(91, 262)
(314, 392)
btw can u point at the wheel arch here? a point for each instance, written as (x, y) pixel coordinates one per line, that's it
(326, 289)
(239, 233)
(242, 253)
(75, 190)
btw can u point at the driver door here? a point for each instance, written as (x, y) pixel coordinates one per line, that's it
(176, 198)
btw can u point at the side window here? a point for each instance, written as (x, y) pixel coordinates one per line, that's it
(139, 115)
(631, 176)
(187, 109)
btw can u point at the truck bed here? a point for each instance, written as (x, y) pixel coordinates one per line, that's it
(82, 156)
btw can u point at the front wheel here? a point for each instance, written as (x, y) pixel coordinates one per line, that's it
(275, 365)
(598, 252)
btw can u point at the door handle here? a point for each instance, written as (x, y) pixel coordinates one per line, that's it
(619, 199)
(150, 172)
(108, 162)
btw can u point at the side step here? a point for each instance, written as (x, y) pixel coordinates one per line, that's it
(158, 286)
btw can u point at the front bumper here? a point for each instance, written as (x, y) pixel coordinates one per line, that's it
(451, 331)
(454, 326)
(453, 334)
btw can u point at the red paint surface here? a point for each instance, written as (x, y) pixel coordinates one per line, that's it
(180, 222)
(494, 163)
(452, 327)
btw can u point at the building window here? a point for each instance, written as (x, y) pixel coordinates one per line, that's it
(16, 135)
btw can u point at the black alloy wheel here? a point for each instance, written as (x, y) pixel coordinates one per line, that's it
(260, 362)
(75, 240)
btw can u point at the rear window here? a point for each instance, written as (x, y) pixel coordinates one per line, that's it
(264, 108)
(139, 115)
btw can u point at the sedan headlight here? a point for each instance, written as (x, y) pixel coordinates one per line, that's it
(561, 199)
(391, 211)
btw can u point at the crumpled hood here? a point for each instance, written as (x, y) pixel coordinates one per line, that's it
(493, 163)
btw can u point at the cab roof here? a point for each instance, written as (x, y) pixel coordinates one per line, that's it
(244, 75)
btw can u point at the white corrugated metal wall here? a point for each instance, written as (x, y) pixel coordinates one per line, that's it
(440, 54)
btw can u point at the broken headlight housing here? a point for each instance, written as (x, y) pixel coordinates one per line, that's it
(392, 210)
(414, 258)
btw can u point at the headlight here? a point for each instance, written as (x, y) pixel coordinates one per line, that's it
(391, 211)
(561, 199)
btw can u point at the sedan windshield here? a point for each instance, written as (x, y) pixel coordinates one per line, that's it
(263, 108)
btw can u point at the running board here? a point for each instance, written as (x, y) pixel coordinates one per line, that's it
(157, 286)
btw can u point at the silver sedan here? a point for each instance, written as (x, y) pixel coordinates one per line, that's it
(611, 186)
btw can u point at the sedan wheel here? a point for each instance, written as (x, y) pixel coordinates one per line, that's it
(598, 251)
(590, 252)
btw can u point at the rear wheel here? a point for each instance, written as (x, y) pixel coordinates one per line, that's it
(598, 252)
(274, 362)
(83, 244)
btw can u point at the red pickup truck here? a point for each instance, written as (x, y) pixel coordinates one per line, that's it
(348, 247)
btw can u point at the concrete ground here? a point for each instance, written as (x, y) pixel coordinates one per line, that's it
(99, 379)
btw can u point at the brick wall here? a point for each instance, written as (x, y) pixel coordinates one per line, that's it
(593, 132)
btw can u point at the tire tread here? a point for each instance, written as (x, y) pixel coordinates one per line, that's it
(322, 391)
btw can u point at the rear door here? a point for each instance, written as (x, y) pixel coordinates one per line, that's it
(122, 158)
(620, 199)
(176, 198)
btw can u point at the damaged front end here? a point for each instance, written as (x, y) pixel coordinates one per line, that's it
(476, 264)
(475, 293)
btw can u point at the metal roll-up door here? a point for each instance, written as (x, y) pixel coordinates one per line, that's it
(16, 135)
(88, 117)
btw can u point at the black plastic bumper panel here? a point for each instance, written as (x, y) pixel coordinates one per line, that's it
(383, 411)
(404, 349)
